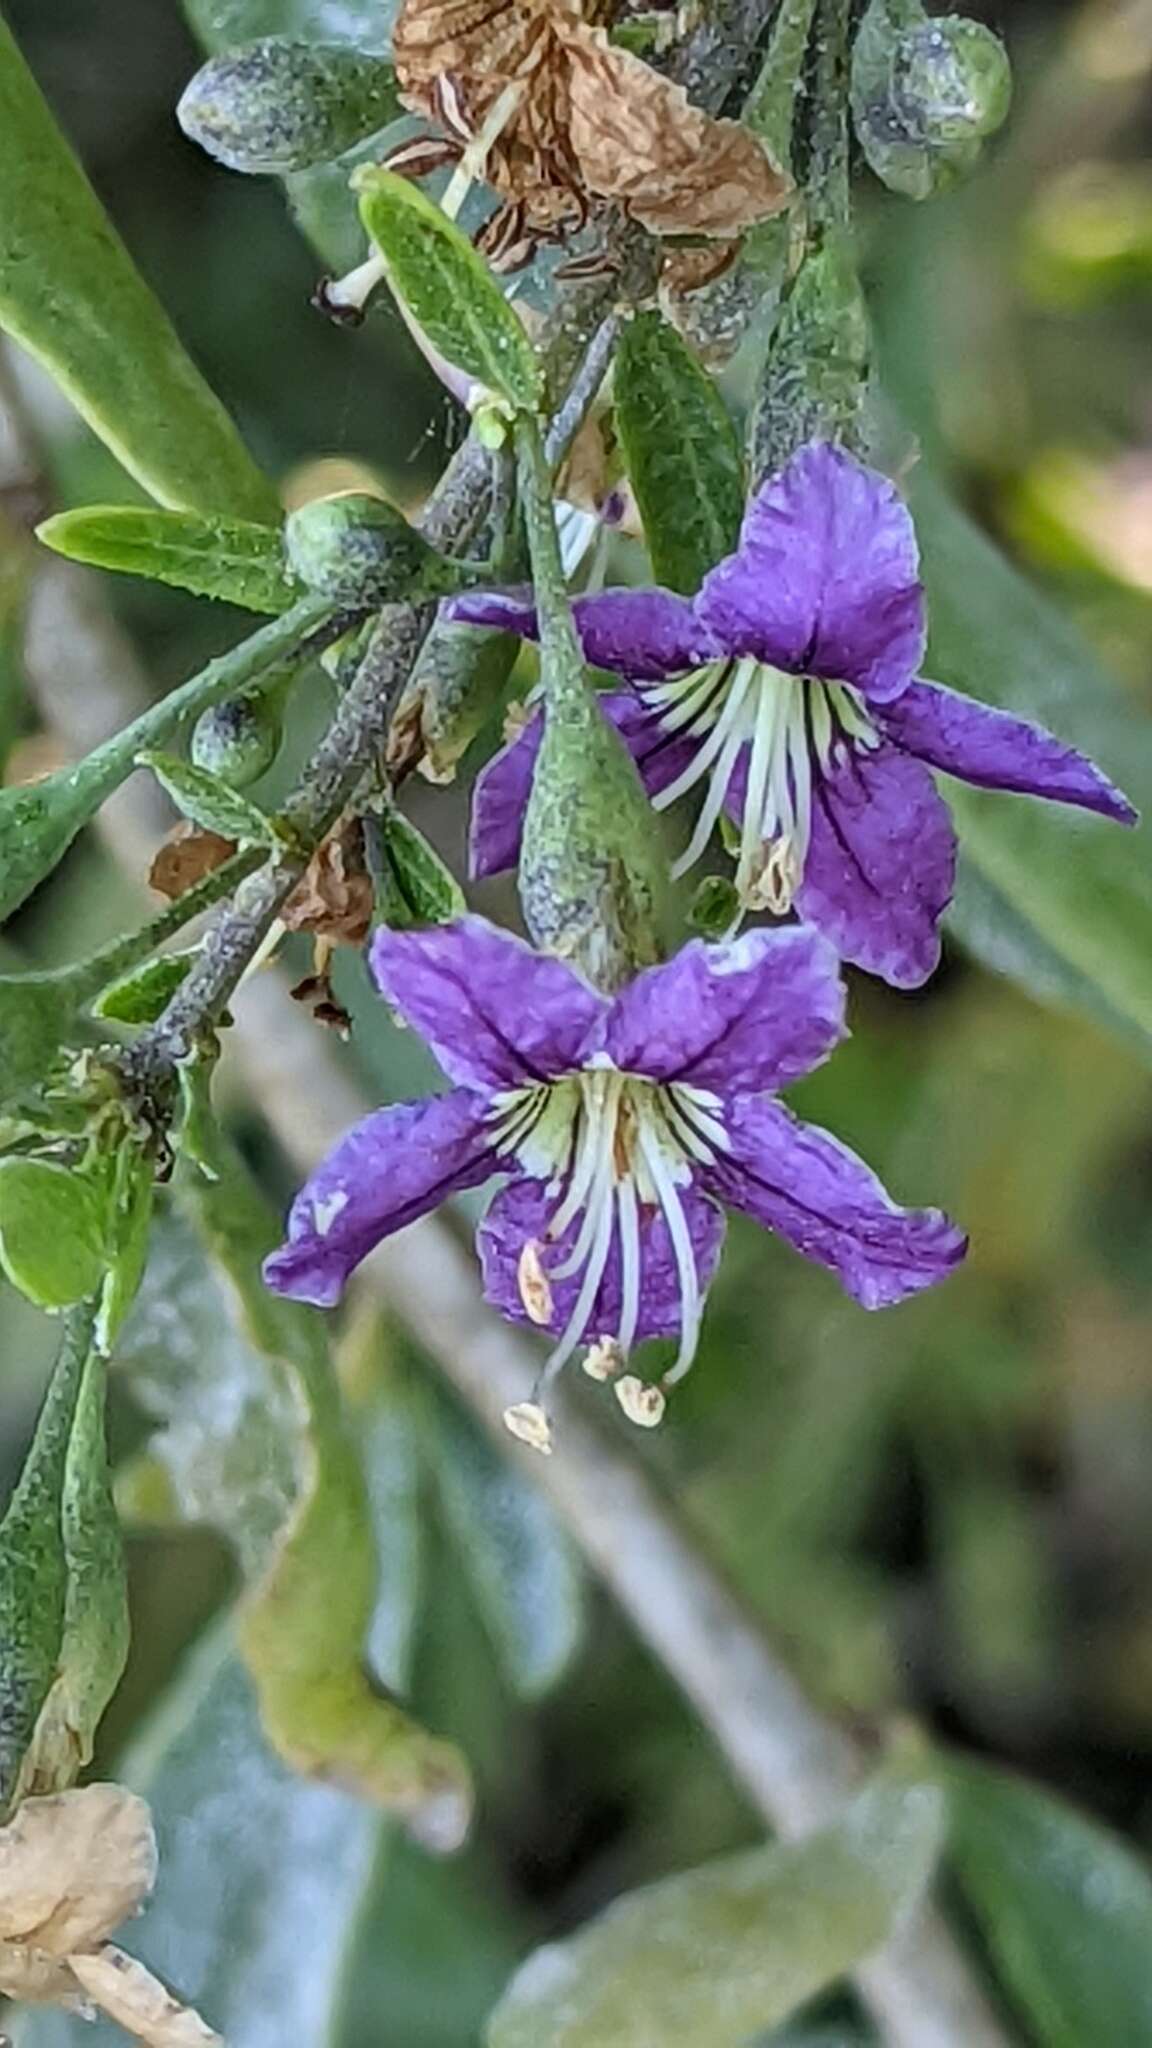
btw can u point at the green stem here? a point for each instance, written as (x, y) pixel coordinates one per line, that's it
(39, 821)
(828, 168)
(87, 978)
(562, 665)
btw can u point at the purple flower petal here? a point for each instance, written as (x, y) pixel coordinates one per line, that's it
(643, 634)
(520, 1213)
(395, 1166)
(752, 1015)
(881, 863)
(806, 1186)
(500, 796)
(495, 1013)
(825, 579)
(997, 751)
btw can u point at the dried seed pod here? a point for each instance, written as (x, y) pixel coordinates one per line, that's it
(925, 95)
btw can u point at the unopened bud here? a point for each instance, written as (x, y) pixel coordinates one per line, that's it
(237, 742)
(642, 1403)
(356, 550)
(925, 95)
(281, 105)
(528, 1422)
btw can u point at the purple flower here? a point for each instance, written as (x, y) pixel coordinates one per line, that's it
(619, 1127)
(786, 692)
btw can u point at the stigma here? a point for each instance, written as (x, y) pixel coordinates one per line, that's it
(776, 734)
(612, 1148)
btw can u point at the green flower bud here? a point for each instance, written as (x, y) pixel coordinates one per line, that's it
(925, 94)
(716, 908)
(238, 741)
(356, 550)
(460, 675)
(815, 379)
(278, 105)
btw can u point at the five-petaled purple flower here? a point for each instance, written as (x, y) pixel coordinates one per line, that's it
(787, 690)
(620, 1126)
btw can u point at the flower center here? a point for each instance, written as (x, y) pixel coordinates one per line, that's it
(609, 1145)
(776, 732)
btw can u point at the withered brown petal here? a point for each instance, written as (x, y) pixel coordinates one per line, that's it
(639, 141)
(73, 1866)
(185, 857)
(335, 898)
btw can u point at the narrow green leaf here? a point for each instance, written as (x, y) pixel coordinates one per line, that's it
(70, 293)
(525, 1578)
(708, 1958)
(133, 1190)
(254, 1441)
(210, 803)
(1064, 1905)
(262, 1875)
(681, 452)
(34, 1566)
(448, 288)
(414, 887)
(52, 1232)
(139, 997)
(1083, 885)
(231, 559)
(39, 820)
(279, 104)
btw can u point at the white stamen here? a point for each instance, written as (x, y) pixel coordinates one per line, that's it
(474, 162)
(629, 1216)
(582, 1307)
(684, 1251)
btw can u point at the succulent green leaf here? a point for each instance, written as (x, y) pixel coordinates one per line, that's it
(280, 104)
(926, 93)
(448, 289)
(232, 559)
(139, 997)
(70, 293)
(254, 1441)
(680, 450)
(53, 1235)
(710, 1958)
(415, 887)
(1081, 885)
(209, 802)
(525, 1578)
(39, 821)
(63, 1612)
(1064, 1906)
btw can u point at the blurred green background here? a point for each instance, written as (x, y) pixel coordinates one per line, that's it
(945, 1509)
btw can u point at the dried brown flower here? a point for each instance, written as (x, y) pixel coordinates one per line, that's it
(335, 897)
(562, 118)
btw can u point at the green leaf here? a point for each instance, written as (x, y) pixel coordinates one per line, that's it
(254, 1441)
(52, 1232)
(210, 803)
(279, 105)
(524, 1576)
(63, 1606)
(39, 821)
(262, 1876)
(448, 288)
(133, 1190)
(70, 293)
(231, 559)
(681, 452)
(1082, 885)
(37, 1012)
(139, 997)
(706, 1959)
(1064, 1905)
(414, 886)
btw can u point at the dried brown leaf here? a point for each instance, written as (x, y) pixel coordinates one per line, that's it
(185, 857)
(129, 1994)
(73, 1866)
(335, 898)
(641, 142)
